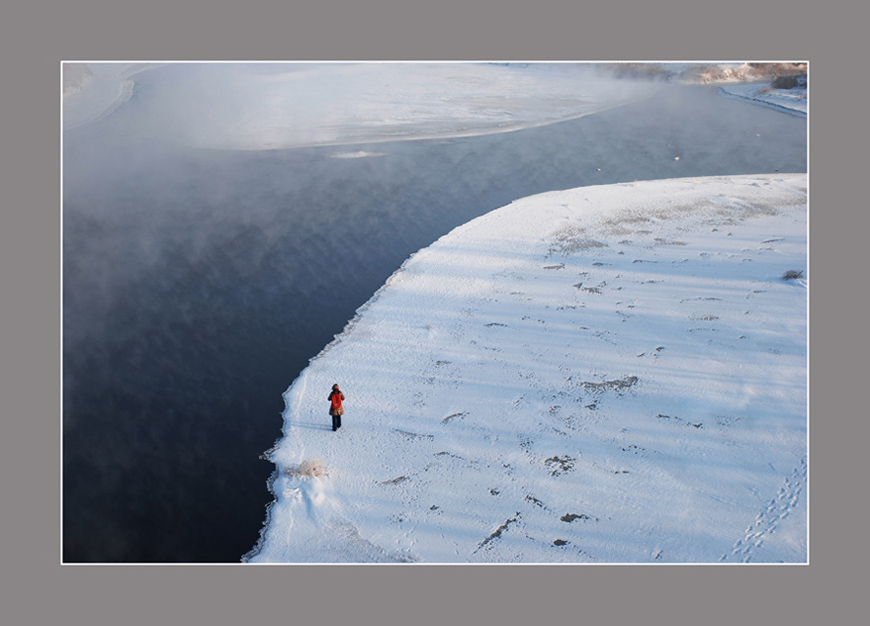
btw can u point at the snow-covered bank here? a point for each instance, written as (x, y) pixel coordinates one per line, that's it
(793, 101)
(600, 375)
(264, 106)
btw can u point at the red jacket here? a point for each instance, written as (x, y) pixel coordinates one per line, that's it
(336, 397)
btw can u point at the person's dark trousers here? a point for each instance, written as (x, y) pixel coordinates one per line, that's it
(336, 422)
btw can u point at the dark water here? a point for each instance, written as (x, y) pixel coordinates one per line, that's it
(198, 284)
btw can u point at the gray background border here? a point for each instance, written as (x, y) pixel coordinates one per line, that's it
(36, 37)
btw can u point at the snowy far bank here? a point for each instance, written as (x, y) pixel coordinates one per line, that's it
(612, 374)
(263, 106)
(793, 101)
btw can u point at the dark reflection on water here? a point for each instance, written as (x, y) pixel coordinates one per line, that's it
(198, 284)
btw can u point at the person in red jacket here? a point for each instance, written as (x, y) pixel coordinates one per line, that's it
(336, 410)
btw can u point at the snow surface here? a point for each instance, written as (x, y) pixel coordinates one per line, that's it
(612, 374)
(793, 101)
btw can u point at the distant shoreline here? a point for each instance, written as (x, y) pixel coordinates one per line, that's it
(753, 94)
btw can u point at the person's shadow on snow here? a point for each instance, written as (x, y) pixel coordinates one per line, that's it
(311, 425)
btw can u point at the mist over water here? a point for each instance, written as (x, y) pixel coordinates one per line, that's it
(197, 284)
